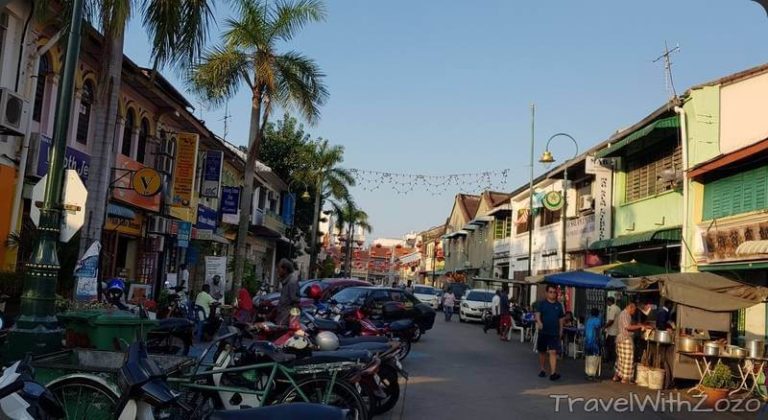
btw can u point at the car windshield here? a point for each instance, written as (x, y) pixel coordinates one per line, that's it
(480, 296)
(350, 295)
(422, 290)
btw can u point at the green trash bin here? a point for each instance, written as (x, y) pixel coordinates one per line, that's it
(105, 329)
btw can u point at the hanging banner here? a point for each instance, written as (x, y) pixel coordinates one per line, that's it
(289, 206)
(87, 274)
(216, 266)
(206, 217)
(214, 159)
(230, 205)
(603, 191)
(184, 168)
(184, 234)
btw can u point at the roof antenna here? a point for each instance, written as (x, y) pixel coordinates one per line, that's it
(226, 119)
(669, 82)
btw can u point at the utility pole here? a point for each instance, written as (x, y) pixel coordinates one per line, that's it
(530, 193)
(37, 330)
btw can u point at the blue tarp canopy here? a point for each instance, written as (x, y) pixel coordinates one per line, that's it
(583, 279)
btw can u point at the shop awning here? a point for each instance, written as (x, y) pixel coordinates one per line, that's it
(581, 279)
(660, 235)
(500, 281)
(707, 291)
(628, 269)
(752, 248)
(120, 212)
(666, 123)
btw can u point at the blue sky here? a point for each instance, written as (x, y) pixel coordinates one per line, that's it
(444, 86)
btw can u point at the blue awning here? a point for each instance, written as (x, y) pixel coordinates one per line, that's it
(120, 212)
(583, 279)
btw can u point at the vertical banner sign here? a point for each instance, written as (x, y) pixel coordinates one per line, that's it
(603, 190)
(230, 205)
(184, 169)
(87, 274)
(216, 266)
(289, 206)
(185, 234)
(214, 159)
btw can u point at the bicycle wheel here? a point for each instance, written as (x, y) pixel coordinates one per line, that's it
(388, 379)
(84, 398)
(318, 389)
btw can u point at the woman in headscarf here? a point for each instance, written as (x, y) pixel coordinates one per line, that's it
(244, 312)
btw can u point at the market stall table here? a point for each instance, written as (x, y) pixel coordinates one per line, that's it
(745, 365)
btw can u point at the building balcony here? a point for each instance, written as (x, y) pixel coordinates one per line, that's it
(267, 223)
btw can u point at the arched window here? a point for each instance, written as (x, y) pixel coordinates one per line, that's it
(84, 116)
(42, 79)
(143, 135)
(130, 119)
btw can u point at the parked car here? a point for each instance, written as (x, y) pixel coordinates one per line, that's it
(474, 304)
(267, 304)
(427, 294)
(374, 298)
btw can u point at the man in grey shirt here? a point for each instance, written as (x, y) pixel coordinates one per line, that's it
(289, 291)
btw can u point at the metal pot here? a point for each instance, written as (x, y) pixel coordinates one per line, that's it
(689, 344)
(756, 348)
(660, 336)
(734, 351)
(712, 348)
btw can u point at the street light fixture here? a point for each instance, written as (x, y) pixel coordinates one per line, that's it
(547, 157)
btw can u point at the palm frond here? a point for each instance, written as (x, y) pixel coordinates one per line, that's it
(113, 16)
(288, 17)
(219, 75)
(300, 84)
(178, 29)
(250, 30)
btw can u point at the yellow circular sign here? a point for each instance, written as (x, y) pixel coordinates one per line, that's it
(147, 182)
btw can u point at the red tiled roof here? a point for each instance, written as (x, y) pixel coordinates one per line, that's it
(468, 204)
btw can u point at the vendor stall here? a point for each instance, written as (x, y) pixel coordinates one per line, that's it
(704, 306)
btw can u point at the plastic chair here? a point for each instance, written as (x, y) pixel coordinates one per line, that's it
(515, 327)
(535, 338)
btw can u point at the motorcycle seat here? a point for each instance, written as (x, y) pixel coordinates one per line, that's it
(266, 348)
(400, 325)
(326, 324)
(375, 348)
(336, 356)
(174, 323)
(284, 411)
(345, 341)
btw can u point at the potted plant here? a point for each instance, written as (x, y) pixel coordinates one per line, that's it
(717, 383)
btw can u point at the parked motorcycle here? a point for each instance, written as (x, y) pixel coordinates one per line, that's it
(21, 398)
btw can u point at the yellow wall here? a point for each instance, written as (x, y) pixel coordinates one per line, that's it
(7, 183)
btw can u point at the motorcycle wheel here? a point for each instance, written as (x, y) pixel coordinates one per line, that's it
(388, 378)
(416, 335)
(405, 348)
(82, 398)
(342, 395)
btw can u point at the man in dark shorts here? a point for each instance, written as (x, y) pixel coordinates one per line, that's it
(549, 322)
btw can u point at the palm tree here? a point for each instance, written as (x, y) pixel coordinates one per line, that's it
(329, 180)
(349, 215)
(177, 31)
(249, 56)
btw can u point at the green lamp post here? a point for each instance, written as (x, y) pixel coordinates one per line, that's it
(37, 330)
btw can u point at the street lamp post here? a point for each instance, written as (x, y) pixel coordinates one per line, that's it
(37, 329)
(547, 157)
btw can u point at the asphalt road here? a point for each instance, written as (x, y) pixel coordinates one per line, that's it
(457, 372)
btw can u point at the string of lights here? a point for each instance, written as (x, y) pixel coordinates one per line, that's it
(405, 183)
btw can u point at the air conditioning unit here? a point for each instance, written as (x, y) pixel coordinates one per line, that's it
(586, 202)
(165, 164)
(13, 113)
(157, 224)
(168, 146)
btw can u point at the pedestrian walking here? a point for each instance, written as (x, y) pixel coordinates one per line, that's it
(549, 322)
(289, 292)
(625, 348)
(505, 316)
(611, 328)
(449, 299)
(493, 321)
